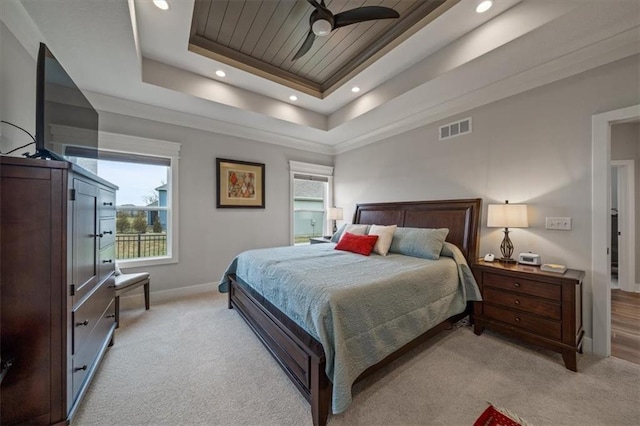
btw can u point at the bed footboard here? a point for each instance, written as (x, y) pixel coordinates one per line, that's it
(298, 353)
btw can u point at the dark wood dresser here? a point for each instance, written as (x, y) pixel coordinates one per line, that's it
(57, 314)
(539, 307)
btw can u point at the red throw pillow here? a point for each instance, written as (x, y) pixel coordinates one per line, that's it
(361, 244)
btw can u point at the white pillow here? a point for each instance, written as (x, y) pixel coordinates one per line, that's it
(385, 236)
(355, 229)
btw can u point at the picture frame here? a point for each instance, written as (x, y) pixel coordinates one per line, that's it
(240, 184)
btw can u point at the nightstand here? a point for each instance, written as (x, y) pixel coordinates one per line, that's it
(538, 307)
(319, 240)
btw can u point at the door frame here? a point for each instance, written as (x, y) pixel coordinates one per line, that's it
(627, 227)
(601, 223)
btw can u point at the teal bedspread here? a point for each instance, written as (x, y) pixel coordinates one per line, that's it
(360, 308)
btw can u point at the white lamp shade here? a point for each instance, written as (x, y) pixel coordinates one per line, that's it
(335, 213)
(507, 216)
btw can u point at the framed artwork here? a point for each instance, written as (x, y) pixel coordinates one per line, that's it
(240, 184)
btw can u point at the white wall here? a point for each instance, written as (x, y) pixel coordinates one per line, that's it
(209, 238)
(534, 148)
(625, 145)
(17, 92)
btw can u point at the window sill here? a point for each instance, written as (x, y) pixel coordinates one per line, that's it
(146, 261)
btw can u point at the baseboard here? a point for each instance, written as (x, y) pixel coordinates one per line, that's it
(136, 299)
(587, 345)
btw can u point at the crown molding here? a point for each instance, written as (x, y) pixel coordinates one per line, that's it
(130, 108)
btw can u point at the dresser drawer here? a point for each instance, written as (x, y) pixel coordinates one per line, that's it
(525, 321)
(85, 358)
(106, 262)
(523, 302)
(533, 288)
(107, 203)
(87, 316)
(107, 232)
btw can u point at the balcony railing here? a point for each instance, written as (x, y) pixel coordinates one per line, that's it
(132, 246)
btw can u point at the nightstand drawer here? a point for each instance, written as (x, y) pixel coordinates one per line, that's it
(531, 323)
(533, 288)
(523, 303)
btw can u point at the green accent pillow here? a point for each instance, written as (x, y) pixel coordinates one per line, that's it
(419, 242)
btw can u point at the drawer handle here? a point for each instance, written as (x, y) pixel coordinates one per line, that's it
(517, 319)
(517, 302)
(107, 261)
(108, 232)
(111, 316)
(83, 323)
(107, 203)
(83, 368)
(97, 235)
(517, 285)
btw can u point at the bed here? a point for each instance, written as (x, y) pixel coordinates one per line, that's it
(294, 341)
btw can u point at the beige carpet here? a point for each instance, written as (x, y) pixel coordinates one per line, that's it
(194, 362)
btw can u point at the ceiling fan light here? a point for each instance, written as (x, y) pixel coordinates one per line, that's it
(221, 73)
(161, 4)
(484, 6)
(321, 27)
(355, 89)
(293, 98)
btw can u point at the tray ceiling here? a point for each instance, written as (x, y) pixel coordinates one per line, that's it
(262, 37)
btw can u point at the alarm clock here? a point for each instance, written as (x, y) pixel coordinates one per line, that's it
(529, 259)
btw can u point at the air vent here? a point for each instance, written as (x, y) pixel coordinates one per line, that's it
(454, 129)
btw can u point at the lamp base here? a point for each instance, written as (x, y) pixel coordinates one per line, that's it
(507, 260)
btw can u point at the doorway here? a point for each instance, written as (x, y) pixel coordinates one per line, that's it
(601, 224)
(623, 221)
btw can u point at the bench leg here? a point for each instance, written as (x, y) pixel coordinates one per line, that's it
(117, 302)
(146, 296)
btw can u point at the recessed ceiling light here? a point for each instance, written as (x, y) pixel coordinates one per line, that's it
(355, 89)
(484, 6)
(221, 73)
(293, 98)
(161, 4)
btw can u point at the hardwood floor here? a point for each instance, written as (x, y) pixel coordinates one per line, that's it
(625, 325)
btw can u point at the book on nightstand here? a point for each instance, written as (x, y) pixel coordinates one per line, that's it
(552, 267)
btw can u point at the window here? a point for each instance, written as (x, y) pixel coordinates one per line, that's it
(146, 173)
(311, 189)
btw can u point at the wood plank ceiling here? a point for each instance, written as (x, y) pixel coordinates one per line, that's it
(262, 37)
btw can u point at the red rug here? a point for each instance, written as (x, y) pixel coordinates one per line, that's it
(493, 416)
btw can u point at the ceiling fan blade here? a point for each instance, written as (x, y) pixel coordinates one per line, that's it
(314, 3)
(365, 13)
(308, 42)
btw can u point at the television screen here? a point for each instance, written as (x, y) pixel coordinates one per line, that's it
(66, 122)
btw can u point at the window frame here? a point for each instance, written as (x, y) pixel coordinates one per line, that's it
(116, 142)
(297, 167)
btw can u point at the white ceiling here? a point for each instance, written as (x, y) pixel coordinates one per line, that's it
(132, 59)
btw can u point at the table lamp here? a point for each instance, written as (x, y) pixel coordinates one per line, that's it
(335, 213)
(507, 216)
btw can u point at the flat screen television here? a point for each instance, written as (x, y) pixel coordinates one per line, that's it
(66, 122)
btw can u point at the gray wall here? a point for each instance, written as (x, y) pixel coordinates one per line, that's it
(17, 92)
(534, 148)
(625, 145)
(209, 238)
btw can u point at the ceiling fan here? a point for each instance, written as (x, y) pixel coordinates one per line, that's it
(322, 21)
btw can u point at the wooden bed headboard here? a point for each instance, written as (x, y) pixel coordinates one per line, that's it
(461, 217)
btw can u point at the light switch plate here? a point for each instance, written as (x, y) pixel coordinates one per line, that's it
(558, 223)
